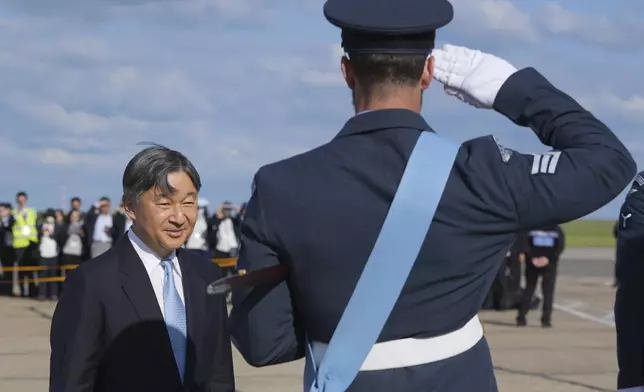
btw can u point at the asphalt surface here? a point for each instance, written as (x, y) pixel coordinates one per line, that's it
(577, 355)
(586, 268)
(587, 262)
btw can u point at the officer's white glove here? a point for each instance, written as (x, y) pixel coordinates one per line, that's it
(472, 76)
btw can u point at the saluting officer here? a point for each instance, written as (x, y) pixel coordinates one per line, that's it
(629, 299)
(319, 213)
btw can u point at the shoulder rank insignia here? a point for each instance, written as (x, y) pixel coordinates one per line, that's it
(506, 154)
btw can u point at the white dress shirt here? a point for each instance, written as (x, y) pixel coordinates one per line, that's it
(152, 264)
(102, 222)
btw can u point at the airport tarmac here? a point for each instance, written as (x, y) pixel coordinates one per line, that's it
(578, 354)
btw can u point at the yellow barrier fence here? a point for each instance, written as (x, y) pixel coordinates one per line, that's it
(223, 263)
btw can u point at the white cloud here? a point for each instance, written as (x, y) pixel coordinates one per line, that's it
(162, 10)
(88, 47)
(80, 122)
(320, 78)
(54, 156)
(633, 104)
(610, 31)
(85, 80)
(496, 17)
(608, 102)
(558, 19)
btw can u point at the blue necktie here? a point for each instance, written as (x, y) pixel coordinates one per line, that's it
(175, 317)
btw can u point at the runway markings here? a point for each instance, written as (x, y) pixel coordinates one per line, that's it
(573, 309)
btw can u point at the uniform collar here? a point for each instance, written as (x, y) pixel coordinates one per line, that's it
(370, 121)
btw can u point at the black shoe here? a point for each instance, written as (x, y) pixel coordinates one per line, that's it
(521, 322)
(546, 324)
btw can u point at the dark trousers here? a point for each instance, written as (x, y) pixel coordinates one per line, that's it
(7, 258)
(548, 276)
(46, 287)
(514, 274)
(24, 257)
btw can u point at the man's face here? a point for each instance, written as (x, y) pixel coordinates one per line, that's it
(76, 205)
(21, 200)
(166, 220)
(4, 212)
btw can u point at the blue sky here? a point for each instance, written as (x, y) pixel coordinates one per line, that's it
(236, 84)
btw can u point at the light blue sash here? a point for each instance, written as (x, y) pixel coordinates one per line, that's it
(387, 268)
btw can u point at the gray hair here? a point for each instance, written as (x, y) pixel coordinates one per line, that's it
(150, 169)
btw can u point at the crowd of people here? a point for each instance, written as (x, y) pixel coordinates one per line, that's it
(36, 247)
(56, 238)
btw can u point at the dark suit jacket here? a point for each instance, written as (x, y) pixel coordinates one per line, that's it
(213, 229)
(108, 332)
(118, 226)
(6, 251)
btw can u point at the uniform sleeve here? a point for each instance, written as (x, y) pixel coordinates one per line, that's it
(262, 322)
(587, 168)
(75, 337)
(629, 299)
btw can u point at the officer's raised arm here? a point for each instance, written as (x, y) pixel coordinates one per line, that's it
(629, 300)
(262, 324)
(588, 166)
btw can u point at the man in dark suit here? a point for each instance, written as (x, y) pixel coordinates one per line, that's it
(6, 243)
(138, 318)
(545, 246)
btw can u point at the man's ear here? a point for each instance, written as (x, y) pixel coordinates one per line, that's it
(347, 72)
(129, 208)
(428, 73)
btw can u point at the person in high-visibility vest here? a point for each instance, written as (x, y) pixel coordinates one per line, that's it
(25, 240)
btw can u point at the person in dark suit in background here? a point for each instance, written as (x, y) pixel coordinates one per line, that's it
(6, 243)
(223, 233)
(224, 226)
(545, 246)
(99, 226)
(138, 318)
(75, 205)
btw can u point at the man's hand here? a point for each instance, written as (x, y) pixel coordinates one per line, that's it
(540, 262)
(472, 76)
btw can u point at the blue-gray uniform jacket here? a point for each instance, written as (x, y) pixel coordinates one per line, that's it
(320, 213)
(629, 300)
